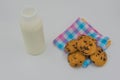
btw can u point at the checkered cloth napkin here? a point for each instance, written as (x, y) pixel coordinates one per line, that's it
(80, 27)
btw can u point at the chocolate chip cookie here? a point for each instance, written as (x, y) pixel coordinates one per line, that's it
(71, 46)
(83, 36)
(86, 45)
(76, 59)
(99, 58)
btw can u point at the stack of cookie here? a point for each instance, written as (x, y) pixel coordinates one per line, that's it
(82, 48)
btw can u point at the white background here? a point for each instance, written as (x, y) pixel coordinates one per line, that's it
(57, 15)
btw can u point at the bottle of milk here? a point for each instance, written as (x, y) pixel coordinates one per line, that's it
(32, 30)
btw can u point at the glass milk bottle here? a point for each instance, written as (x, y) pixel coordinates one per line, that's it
(32, 30)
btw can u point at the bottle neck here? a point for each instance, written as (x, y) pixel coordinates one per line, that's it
(29, 14)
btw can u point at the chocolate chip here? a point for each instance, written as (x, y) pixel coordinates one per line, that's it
(80, 61)
(73, 45)
(104, 59)
(85, 41)
(81, 37)
(99, 51)
(93, 61)
(88, 57)
(82, 52)
(101, 58)
(81, 47)
(75, 65)
(90, 44)
(76, 43)
(68, 50)
(86, 48)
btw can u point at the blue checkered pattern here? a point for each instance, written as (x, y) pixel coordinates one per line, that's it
(80, 27)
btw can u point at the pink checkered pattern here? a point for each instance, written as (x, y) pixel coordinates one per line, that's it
(80, 27)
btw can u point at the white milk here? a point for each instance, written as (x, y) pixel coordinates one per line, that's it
(32, 30)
